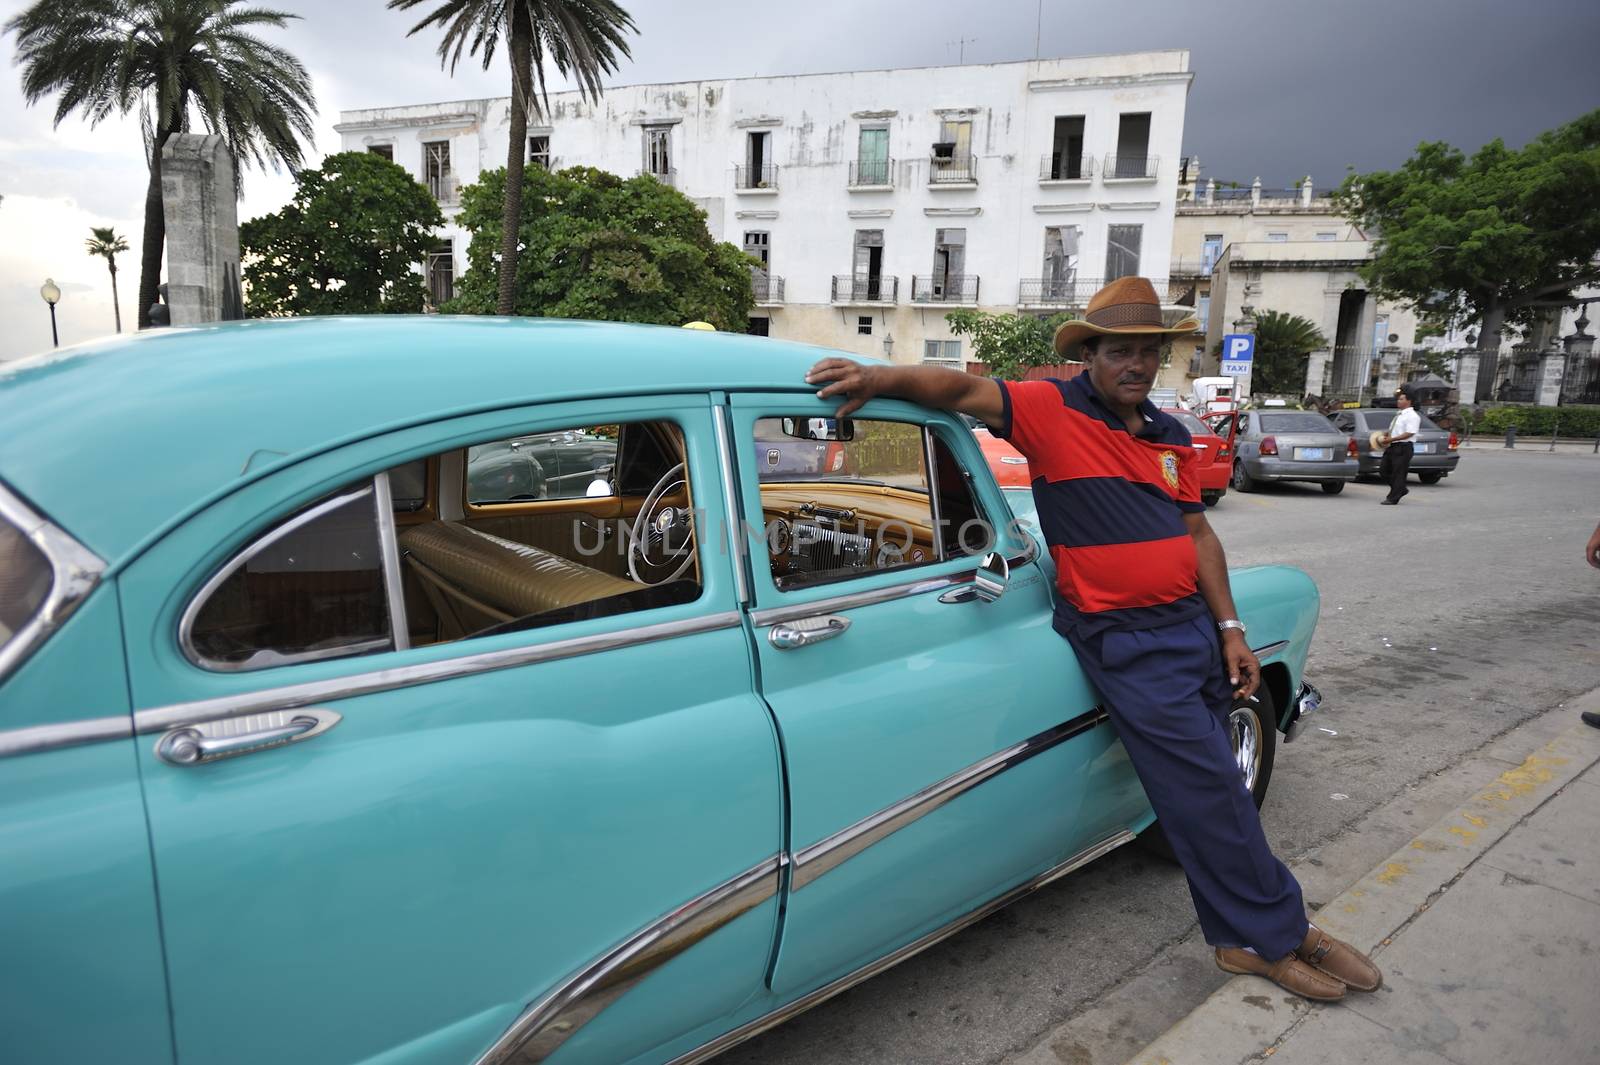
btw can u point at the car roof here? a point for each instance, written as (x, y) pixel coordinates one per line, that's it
(115, 438)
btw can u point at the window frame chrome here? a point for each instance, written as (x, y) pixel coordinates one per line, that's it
(389, 547)
(75, 571)
(191, 610)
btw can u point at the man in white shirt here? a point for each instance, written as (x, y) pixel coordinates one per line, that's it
(1398, 449)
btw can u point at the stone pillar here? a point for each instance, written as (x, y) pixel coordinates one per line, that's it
(1255, 193)
(1317, 365)
(1388, 371)
(1211, 191)
(1305, 193)
(1466, 381)
(200, 202)
(1552, 371)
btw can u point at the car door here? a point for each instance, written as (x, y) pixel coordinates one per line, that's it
(939, 749)
(560, 841)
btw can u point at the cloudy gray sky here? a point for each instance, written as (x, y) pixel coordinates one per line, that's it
(1282, 89)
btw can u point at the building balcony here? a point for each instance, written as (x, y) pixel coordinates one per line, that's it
(1130, 168)
(850, 290)
(953, 171)
(1068, 293)
(1192, 268)
(755, 179)
(666, 177)
(945, 288)
(1064, 169)
(872, 174)
(768, 288)
(444, 188)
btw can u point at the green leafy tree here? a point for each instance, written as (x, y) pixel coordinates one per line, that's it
(171, 61)
(347, 243)
(105, 242)
(581, 38)
(1496, 239)
(595, 245)
(1283, 344)
(1009, 344)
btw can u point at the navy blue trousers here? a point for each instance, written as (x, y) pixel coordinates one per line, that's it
(1168, 696)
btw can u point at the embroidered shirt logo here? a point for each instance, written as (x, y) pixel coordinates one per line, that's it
(1169, 468)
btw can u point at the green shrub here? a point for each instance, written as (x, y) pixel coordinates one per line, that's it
(1540, 421)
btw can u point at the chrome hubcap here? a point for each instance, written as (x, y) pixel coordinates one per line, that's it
(1244, 730)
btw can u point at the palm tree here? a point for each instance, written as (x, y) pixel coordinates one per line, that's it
(169, 60)
(1283, 343)
(105, 242)
(582, 38)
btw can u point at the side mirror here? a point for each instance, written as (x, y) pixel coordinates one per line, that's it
(988, 583)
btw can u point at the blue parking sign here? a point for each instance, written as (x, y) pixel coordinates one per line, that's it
(1238, 351)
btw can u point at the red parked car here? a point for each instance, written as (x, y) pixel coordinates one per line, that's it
(1216, 452)
(1005, 462)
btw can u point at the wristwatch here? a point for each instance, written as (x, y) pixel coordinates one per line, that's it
(1231, 623)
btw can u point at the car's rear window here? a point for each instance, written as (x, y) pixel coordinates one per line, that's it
(26, 577)
(1381, 419)
(1195, 426)
(1295, 421)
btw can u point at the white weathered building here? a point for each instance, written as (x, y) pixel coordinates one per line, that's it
(878, 199)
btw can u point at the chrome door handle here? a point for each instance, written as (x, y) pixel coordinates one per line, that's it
(213, 740)
(806, 631)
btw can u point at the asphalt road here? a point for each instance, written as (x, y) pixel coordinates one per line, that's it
(1446, 621)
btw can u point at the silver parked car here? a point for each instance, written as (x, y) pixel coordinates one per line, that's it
(1434, 455)
(1291, 445)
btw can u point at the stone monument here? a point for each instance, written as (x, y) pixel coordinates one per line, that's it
(200, 201)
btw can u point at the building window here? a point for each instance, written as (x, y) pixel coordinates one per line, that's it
(436, 170)
(1122, 251)
(1133, 147)
(758, 171)
(872, 157)
(385, 150)
(1327, 236)
(658, 151)
(1202, 311)
(758, 245)
(442, 273)
(868, 266)
(1210, 252)
(942, 353)
(949, 264)
(1278, 238)
(760, 327)
(1060, 261)
(539, 151)
(864, 325)
(1066, 151)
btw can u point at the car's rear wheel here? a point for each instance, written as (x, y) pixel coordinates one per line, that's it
(1332, 488)
(1430, 476)
(1242, 481)
(1211, 499)
(1253, 734)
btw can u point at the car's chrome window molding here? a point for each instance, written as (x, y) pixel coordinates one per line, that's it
(1271, 649)
(75, 571)
(730, 502)
(198, 601)
(932, 467)
(389, 546)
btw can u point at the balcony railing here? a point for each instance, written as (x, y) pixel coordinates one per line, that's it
(952, 170)
(945, 288)
(755, 178)
(768, 288)
(1066, 168)
(1130, 168)
(444, 188)
(1070, 292)
(1192, 268)
(871, 173)
(666, 177)
(865, 288)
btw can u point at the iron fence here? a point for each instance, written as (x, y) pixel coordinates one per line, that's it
(755, 177)
(1521, 384)
(1352, 373)
(1130, 167)
(1073, 291)
(768, 288)
(872, 172)
(1580, 383)
(945, 288)
(953, 170)
(1066, 168)
(865, 288)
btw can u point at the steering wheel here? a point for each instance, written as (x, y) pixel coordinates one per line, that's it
(651, 541)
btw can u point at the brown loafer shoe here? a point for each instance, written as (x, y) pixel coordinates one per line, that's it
(1288, 972)
(1339, 960)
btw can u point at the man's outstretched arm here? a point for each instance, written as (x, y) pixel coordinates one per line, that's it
(929, 386)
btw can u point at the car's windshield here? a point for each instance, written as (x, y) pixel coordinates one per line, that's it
(1295, 421)
(1195, 426)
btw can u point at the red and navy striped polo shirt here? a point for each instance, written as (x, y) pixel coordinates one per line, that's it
(1111, 505)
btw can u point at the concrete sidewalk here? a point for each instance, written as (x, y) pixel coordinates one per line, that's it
(1487, 927)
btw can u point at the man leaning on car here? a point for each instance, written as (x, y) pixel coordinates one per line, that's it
(1144, 600)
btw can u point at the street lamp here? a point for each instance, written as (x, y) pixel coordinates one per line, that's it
(52, 296)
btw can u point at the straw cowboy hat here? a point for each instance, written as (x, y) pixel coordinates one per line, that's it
(1127, 305)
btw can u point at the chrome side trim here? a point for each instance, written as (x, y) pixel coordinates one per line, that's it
(546, 1024)
(198, 601)
(75, 570)
(291, 696)
(1306, 701)
(389, 546)
(852, 600)
(38, 738)
(933, 492)
(1271, 649)
(731, 525)
(888, 961)
(832, 852)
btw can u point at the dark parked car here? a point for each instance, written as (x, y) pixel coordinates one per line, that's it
(1291, 445)
(1434, 454)
(540, 466)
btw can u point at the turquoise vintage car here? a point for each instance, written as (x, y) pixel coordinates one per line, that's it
(310, 754)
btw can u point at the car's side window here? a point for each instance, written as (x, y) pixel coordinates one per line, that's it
(311, 588)
(572, 464)
(342, 577)
(847, 499)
